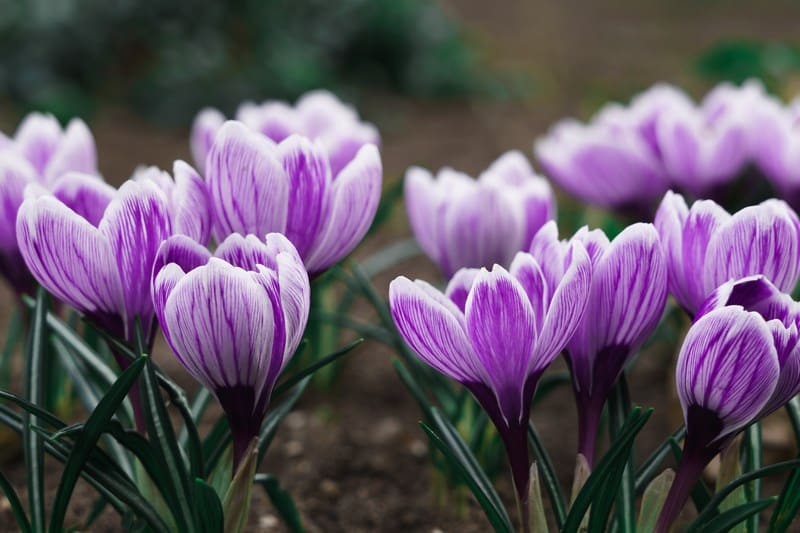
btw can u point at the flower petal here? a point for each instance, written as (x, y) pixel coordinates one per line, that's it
(434, 328)
(190, 205)
(697, 258)
(355, 195)
(86, 194)
(75, 151)
(422, 203)
(204, 129)
(248, 188)
(459, 286)
(550, 254)
(728, 365)
(526, 270)
(15, 174)
(37, 138)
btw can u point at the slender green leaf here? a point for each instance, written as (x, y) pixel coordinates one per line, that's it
(606, 469)
(788, 504)
(275, 417)
(414, 388)
(793, 411)
(653, 500)
(652, 465)
(535, 505)
(549, 476)
(16, 506)
(282, 501)
(710, 510)
(209, 515)
(36, 362)
(215, 443)
(725, 522)
(289, 382)
(236, 503)
(753, 461)
(198, 408)
(98, 507)
(619, 406)
(87, 439)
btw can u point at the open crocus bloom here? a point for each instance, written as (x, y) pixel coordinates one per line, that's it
(258, 187)
(97, 255)
(233, 320)
(625, 302)
(460, 222)
(739, 362)
(53, 151)
(318, 115)
(706, 246)
(496, 332)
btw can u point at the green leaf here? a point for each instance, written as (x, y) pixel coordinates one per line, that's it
(87, 439)
(753, 461)
(35, 365)
(282, 501)
(413, 387)
(208, 509)
(730, 469)
(14, 335)
(725, 522)
(16, 506)
(619, 406)
(653, 500)
(160, 429)
(788, 505)
(275, 417)
(538, 518)
(710, 510)
(446, 438)
(215, 443)
(793, 411)
(609, 467)
(549, 476)
(309, 370)
(651, 466)
(237, 500)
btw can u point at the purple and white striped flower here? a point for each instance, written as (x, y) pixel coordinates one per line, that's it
(254, 305)
(776, 148)
(51, 150)
(318, 115)
(625, 303)
(496, 332)
(187, 198)
(258, 187)
(706, 246)
(96, 255)
(460, 222)
(740, 361)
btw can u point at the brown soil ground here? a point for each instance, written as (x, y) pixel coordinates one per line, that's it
(353, 457)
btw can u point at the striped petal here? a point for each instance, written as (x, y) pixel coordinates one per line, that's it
(75, 151)
(86, 194)
(191, 212)
(204, 129)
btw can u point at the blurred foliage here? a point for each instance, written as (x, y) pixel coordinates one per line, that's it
(168, 59)
(776, 64)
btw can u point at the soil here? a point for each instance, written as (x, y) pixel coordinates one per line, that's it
(354, 457)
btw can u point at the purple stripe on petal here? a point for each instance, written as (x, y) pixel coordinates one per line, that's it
(86, 194)
(15, 174)
(245, 252)
(190, 205)
(459, 286)
(705, 218)
(526, 270)
(204, 129)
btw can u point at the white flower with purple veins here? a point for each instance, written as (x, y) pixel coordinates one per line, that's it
(777, 146)
(318, 115)
(233, 320)
(496, 332)
(461, 222)
(256, 186)
(625, 302)
(706, 246)
(51, 150)
(740, 361)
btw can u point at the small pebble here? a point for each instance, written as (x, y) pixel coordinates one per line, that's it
(268, 522)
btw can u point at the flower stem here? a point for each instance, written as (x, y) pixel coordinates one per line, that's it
(689, 470)
(588, 424)
(516, 442)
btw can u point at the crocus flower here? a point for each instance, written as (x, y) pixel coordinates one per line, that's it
(233, 320)
(15, 174)
(98, 255)
(187, 198)
(496, 332)
(318, 115)
(258, 187)
(460, 222)
(739, 362)
(777, 146)
(706, 246)
(625, 302)
(53, 151)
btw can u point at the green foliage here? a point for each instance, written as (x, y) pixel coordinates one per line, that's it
(168, 59)
(738, 61)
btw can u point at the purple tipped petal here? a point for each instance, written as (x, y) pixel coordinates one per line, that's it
(204, 129)
(75, 152)
(247, 185)
(309, 177)
(294, 292)
(669, 221)
(595, 242)
(245, 252)
(434, 328)
(550, 253)
(182, 251)
(502, 327)
(69, 256)
(761, 239)
(787, 345)
(702, 223)
(86, 194)
(190, 205)
(512, 167)
(421, 202)
(355, 195)
(727, 365)
(135, 223)
(526, 270)
(37, 139)
(459, 286)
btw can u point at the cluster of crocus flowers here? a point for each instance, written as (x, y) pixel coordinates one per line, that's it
(234, 319)
(464, 223)
(706, 246)
(318, 115)
(257, 186)
(40, 152)
(625, 302)
(740, 361)
(628, 156)
(496, 331)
